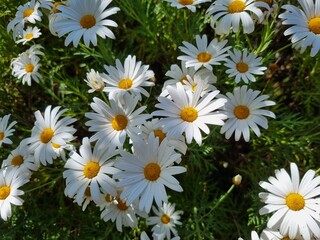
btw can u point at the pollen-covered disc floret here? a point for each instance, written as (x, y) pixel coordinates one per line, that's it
(49, 131)
(79, 20)
(289, 198)
(243, 108)
(304, 30)
(93, 169)
(226, 15)
(146, 172)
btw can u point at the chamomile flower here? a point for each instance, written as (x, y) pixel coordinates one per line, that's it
(188, 4)
(243, 66)
(204, 54)
(165, 220)
(85, 19)
(147, 172)
(289, 198)
(130, 77)
(227, 15)
(187, 112)
(244, 112)
(94, 81)
(21, 158)
(49, 131)
(29, 34)
(304, 25)
(26, 68)
(11, 179)
(91, 168)
(27, 13)
(6, 130)
(114, 123)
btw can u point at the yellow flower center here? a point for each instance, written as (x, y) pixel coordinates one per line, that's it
(87, 192)
(87, 21)
(236, 6)
(314, 25)
(29, 36)
(121, 205)
(91, 169)
(55, 145)
(194, 87)
(125, 83)
(204, 57)
(119, 122)
(1, 136)
(183, 79)
(165, 219)
(152, 171)
(189, 114)
(108, 198)
(17, 160)
(241, 111)
(55, 5)
(28, 12)
(160, 134)
(185, 2)
(242, 67)
(295, 201)
(46, 135)
(4, 192)
(29, 68)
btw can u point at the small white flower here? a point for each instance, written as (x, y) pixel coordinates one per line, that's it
(29, 34)
(94, 81)
(6, 130)
(188, 4)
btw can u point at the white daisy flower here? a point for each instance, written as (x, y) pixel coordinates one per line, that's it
(6, 130)
(130, 77)
(90, 168)
(227, 15)
(114, 123)
(144, 236)
(244, 66)
(267, 13)
(27, 13)
(21, 158)
(85, 19)
(94, 81)
(244, 112)
(275, 235)
(188, 4)
(305, 25)
(26, 68)
(29, 34)
(254, 236)
(165, 220)
(83, 199)
(34, 50)
(188, 112)
(289, 198)
(204, 54)
(147, 171)
(11, 179)
(48, 132)
(154, 127)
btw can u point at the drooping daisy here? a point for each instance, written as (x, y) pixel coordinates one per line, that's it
(244, 112)
(204, 54)
(26, 68)
(49, 131)
(165, 220)
(187, 112)
(6, 130)
(34, 50)
(29, 34)
(85, 19)
(294, 203)
(21, 158)
(27, 13)
(244, 66)
(304, 25)
(227, 15)
(188, 4)
(147, 172)
(114, 123)
(94, 81)
(154, 127)
(11, 179)
(91, 168)
(130, 77)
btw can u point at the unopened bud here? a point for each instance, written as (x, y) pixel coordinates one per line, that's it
(236, 180)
